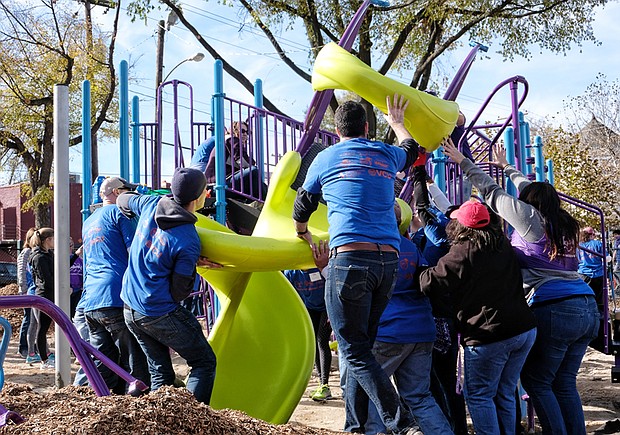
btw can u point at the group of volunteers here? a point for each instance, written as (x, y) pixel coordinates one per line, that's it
(517, 302)
(140, 254)
(397, 301)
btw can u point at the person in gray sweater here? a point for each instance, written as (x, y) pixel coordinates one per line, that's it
(545, 240)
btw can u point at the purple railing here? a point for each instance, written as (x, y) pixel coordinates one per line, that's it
(81, 349)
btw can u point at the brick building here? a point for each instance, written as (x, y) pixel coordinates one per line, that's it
(14, 222)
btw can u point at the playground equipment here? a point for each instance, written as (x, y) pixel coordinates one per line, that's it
(429, 119)
(263, 338)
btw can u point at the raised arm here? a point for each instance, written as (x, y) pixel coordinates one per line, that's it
(524, 218)
(396, 118)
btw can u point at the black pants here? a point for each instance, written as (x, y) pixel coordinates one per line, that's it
(44, 325)
(323, 354)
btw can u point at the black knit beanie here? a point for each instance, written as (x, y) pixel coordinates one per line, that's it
(187, 185)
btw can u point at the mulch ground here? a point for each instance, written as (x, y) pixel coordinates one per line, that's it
(77, 410)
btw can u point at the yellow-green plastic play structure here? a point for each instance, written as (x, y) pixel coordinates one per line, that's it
(263, 337)
(429, 119)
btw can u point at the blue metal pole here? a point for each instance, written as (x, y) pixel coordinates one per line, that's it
(124, 118)
(439, 169)
(135, 139)
(524, 133)
(528, 149)
(86, 151)
(539, 159)
(259, 130)
(550, 176)
(218, 122)
(509, 143)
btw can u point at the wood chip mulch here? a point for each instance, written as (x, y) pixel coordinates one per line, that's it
(77, 410)
(14, 316)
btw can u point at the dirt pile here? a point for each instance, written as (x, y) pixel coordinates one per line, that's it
(14, 316)
(77, 410)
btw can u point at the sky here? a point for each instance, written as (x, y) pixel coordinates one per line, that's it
(552, 78)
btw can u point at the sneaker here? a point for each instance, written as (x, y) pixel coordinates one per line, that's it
(49, 364)
(322, 393)
(33, 358)
(413, 430)
(51, 357)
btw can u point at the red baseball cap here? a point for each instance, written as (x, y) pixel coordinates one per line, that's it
(472, 214)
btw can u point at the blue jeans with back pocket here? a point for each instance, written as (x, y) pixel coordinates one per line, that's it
(565, 328)
(357, 290)
(178, 330)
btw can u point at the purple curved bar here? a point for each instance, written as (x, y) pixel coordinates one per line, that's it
(63, 321)
(321, 99)
(461, 74)
(7, 415)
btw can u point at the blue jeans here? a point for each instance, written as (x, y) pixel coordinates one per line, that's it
(79, 321)
(23, 333)
(410, 364)
(109, 334)
(491, 375)
(357, 290)
(550, 373)
(180, 331)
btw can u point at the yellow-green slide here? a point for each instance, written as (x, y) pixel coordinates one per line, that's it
(263, 337)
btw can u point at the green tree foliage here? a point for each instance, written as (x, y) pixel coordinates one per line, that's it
(412, 34)
(44, 44)
(578, 174)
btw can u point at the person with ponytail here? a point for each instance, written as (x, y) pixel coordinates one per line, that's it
(545, 238)
(42, 266)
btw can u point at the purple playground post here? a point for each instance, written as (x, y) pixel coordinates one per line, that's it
(321, 99)
(63, 321)
(7, 415)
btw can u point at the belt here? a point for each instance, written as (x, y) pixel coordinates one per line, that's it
(363, 246)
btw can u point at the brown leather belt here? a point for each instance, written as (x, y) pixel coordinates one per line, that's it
(364, 246)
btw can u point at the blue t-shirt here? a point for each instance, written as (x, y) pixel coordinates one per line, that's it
(201, 156)
(590, 264)
(408, 317)
(154, 257)
(356, 178)
(617, 251)
(107, 236)
(310, 285)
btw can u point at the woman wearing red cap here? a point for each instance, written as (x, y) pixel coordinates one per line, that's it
(482, 275)
(545, 240)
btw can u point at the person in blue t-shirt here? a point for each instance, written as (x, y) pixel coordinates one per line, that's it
(404, 345)
(107, 236)
(590, 256)
(161, 273)
(446, 348)
(356, 179)
(615, 247)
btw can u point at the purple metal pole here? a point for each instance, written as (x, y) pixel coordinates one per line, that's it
(6, 415)
(461, 74)
(63, 321)
(321, 99)
(136, 386)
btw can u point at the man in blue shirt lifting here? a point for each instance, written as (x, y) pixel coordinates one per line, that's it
(356, 179)
(161, 273)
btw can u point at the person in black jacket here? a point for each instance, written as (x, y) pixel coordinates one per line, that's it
(497, 328)
(42, 266)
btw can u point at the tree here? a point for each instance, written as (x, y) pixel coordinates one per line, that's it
(578, 174)
(412, 34)
(43, 44)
